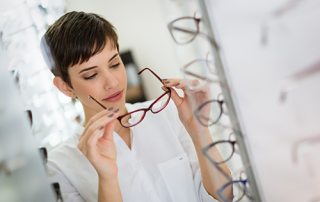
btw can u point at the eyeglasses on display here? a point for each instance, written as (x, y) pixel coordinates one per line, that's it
(185, 29)
(209, 119)
(291, 82)
(241, 187)
(228, 151)
(202, 70)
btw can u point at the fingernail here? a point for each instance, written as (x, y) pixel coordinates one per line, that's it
(101, 127)
(167, 82)
(115, 111)
(111, 108)
(164, 79)
(177, 84)
(111, 115)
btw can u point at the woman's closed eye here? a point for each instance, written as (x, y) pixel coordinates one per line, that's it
(116, 65)
(95, 74)
(90, 77)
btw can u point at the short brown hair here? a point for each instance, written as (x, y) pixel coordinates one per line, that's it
(77, 36)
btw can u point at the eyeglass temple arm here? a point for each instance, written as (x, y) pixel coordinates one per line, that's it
(97, 102)
(151, 72)
(291, 82)
(183, 30)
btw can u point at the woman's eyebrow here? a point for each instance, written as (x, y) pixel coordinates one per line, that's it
(87, 69)
(115, 55)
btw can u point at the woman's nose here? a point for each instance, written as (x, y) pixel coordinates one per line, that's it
(110, 81)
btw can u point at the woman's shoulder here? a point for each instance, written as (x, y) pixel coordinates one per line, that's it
(66, 149)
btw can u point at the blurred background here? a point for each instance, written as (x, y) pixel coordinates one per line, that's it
(270, 55)
(144, 41)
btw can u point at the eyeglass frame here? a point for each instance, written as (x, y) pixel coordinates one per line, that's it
(143, 109)
(216, 164)
(295, 147)
(292, 81)
(220, 191)
(196, 112)
(197, 20)
(275, 14)
(245, 193)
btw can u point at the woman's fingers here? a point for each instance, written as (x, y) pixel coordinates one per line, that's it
(181, 83)
(201, 92)
(105, 124)
(171, 82)
(99, 115)
(108, 131)
(92, 122)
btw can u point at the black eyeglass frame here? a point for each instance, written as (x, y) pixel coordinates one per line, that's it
(206, 149)
(197, 112)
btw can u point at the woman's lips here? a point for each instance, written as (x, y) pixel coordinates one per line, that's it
(114, 98)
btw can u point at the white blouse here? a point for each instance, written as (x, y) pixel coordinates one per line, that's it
(162, 164)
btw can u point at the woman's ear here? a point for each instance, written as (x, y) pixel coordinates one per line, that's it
(63, 87)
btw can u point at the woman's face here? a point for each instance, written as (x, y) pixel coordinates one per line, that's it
(103, 77)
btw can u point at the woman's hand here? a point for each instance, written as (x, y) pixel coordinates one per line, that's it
(101, 151)
(189, 103)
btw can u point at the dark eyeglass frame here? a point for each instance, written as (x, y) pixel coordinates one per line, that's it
(206, 149)
(245, 192)
(197, 112)
(197, 21)
(244, 182)
(145, 110)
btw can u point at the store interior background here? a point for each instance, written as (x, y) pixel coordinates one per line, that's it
(142, 29)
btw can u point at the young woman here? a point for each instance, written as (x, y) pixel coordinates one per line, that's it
(159, 159)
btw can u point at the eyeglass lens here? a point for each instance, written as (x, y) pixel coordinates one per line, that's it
(206, 118)
(138, 115)
(225, 148)
(197, 70)
(161, 103)
(136, 118)
(242, 188)
(184, 30)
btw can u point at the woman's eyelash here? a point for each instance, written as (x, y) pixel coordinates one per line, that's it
(90, 77)
(116, 65)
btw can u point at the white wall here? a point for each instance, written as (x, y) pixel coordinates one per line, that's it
(142, 29)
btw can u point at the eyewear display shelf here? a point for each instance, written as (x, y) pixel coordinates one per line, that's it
(234, 118)
(268, 54)
(22, 172)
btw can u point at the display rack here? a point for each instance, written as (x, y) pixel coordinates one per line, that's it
(220, 66)
(268, 54)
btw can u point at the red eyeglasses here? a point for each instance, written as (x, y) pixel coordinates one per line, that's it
(157, 106)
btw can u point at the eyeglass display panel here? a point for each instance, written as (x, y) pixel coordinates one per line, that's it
(256, 71)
